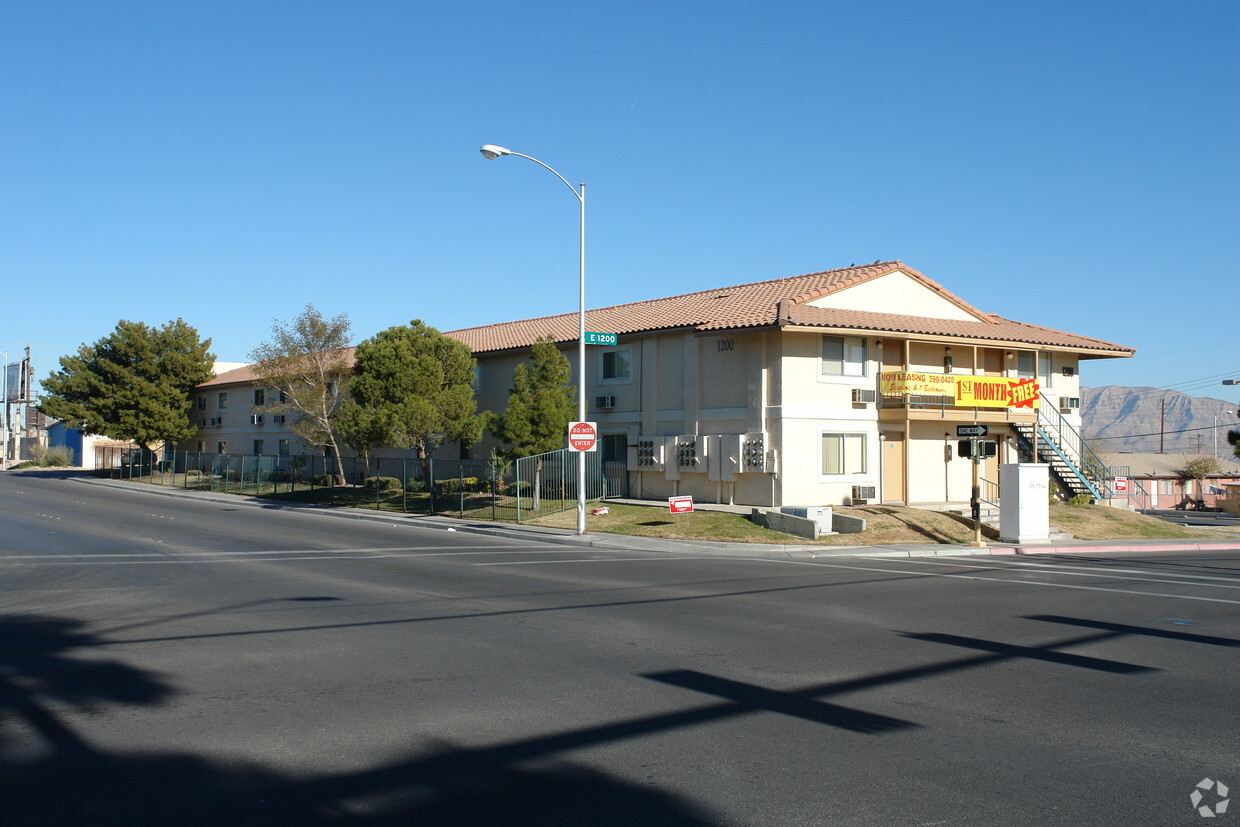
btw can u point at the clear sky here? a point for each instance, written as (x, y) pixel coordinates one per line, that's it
(1069, 164)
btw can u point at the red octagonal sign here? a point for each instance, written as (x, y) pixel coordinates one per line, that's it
(583, 436)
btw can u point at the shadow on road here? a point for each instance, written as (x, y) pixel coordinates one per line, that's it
(52, 775)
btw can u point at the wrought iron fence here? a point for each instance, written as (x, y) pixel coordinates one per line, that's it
(491, 489)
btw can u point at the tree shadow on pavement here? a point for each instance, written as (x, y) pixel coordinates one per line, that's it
(53, 775)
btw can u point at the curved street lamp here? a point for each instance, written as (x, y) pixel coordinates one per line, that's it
(491, 152)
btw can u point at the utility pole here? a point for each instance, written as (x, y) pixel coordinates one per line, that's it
(1162, 426)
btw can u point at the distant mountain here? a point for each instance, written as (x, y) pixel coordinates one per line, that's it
(1116, 418)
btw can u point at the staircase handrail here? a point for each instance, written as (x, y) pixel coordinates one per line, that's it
(1091, 464)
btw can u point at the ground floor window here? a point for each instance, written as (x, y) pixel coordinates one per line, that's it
(221, 447)
(615, 447)
(282, 447)
(843, 454)
(258, 447)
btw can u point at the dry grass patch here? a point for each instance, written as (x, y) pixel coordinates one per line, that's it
(885, 525)
(1100, 522)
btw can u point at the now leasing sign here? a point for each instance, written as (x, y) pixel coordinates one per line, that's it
(967, 391)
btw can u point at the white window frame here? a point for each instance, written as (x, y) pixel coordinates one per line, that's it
(863, 436)
(1047, 379)
(1032, 372)
(850, 367)
(627, 378)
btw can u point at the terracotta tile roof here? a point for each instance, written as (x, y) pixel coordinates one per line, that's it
(996, 328)
(776, 302)
(247, 376)
(770, 303)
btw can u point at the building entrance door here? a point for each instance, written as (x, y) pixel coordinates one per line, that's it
(893, 467)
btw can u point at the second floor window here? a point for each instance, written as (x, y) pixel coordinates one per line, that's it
(202, 403)
(260, 397)
(616, 364)
(221, 401)
(843, 356)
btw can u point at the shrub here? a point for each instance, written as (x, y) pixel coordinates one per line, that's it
(58, 456)
(277, 475)
(193, 473)
(324, 480)
(37, 452)
(1081, 499)
(382, 483)
(455, 485)
(521, 489)
(415, 486)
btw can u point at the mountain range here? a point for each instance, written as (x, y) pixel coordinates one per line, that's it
(1117, 418)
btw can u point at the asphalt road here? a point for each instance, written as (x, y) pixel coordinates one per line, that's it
(175, 661)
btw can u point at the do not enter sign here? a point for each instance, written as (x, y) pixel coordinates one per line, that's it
(583, 436)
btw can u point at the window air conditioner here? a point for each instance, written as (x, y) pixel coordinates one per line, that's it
(217, 420)
(1069, 371)
(256, 419)
(604, 402)
(863, 492)
(278, 419)
(862, 395)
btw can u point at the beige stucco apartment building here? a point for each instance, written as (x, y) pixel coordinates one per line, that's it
(827, 388)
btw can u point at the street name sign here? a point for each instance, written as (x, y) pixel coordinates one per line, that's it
(601, 338)
(583, 436)
(972, 430)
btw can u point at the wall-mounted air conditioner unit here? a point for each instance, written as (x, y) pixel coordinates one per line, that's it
(217, 420)
(862, 395)
(863, 493)
(256, 419)
(1067, 371)
(604, 402)
(278, 419)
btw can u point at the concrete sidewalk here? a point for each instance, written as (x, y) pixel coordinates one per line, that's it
(626, 542)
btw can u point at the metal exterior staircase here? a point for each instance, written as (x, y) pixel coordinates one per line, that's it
(1072, 462)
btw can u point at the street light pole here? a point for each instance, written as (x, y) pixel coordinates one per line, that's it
(491, 152)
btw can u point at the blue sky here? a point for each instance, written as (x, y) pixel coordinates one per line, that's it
(1070, 164)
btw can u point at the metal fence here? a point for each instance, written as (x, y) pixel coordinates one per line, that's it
(490, 489)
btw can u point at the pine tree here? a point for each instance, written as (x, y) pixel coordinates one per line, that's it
(412, 388)
(131, 385)
(539, 407)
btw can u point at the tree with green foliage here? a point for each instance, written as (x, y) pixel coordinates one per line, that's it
(133, 384)
(1199, 468)
(540, 407)
(307, 362)
(412, 387)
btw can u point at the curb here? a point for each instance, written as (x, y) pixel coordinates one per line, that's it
(626, 542)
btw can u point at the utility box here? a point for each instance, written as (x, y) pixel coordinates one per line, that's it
(1024, 502)
(821, 514)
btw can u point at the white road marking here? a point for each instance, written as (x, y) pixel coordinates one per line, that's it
(1079, 571)
(993, 580)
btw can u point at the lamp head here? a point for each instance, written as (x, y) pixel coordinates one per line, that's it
(491, 151)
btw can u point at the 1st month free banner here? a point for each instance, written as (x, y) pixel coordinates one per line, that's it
(968, 391)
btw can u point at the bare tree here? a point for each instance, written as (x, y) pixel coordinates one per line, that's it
(1199, 468)
(308, 364)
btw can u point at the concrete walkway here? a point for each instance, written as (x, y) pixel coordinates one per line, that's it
(626, 542)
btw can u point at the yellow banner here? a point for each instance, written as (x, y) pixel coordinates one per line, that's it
(967, 391)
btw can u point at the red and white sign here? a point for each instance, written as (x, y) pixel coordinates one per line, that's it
(680, 505)
(583, 436)
(1121, 485)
